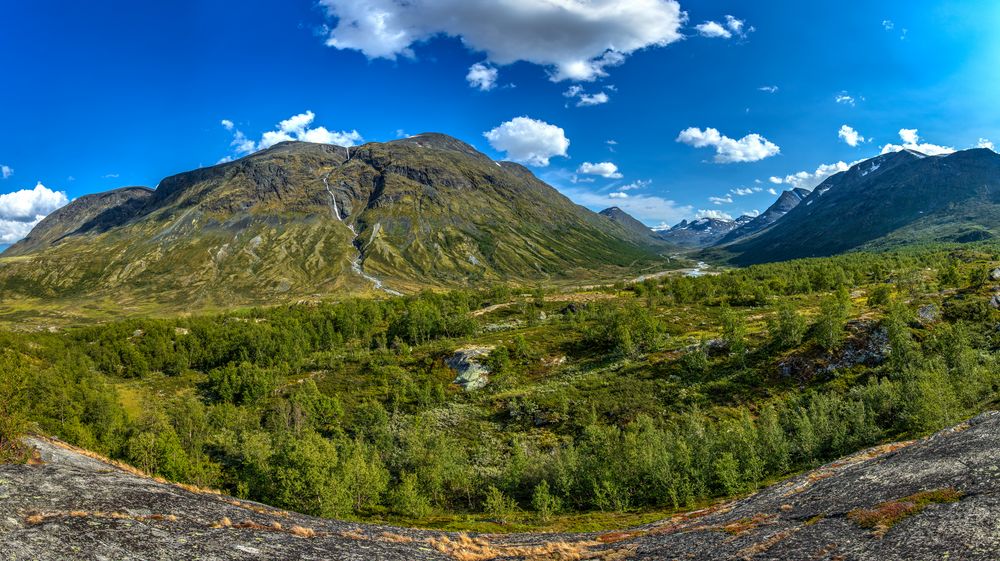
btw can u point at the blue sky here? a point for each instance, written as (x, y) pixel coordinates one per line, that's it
(104, 94)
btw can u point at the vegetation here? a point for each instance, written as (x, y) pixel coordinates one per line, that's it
(627, 399)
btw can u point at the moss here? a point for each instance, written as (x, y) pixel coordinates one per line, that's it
(884, 516)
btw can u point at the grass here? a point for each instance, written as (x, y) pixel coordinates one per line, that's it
(882, 517)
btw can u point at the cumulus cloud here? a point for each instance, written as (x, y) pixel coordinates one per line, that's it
(721, 200)
(808, 180)
(638, 184)
(618, 195)
(729, 28)
(6, 171)
(716, 214)
(751, 148)
(21, 210)
(528, 140)
(850, 136)
(606, 170)
(575, 40)
(772, 191)
(713, 29)
(985, 143)
(296, 127)
(744, 191)
(482, 76)
(585, 99)
(911, 141)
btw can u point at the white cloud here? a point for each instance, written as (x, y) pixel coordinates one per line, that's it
(888, 24)
(768, 89)
(772, 191)
(752, 213)
(6, 171)
(985, 143)
(482, 76)
(110, 176)
(845, 99)
(583, 98)
(28, 204)
(911, 141)
(713, 29)
(744, 191)
(850, 136)
(807, 180)
(576, 40)
(296, 127)
(607, 170)
(735, 25)
(775, 180)
(21, 210)
(528, 140)
(592, 99)
(716, 214)
(732, 26)
(647, 208)
(639, 184)
(721, 200)
(751, 148)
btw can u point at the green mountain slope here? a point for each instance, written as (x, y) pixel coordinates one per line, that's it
(299, 220)
(893, 199)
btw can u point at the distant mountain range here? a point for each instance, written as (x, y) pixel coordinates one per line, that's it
(303, 219)
(894, 199)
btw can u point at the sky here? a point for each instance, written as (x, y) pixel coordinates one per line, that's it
(667, 109)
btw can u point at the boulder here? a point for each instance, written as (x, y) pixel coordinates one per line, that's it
(468, 365)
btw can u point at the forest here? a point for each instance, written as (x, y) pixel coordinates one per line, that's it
(628, 399)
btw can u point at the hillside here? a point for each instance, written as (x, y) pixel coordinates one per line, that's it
(641, 233)
(786, 201)
(897, 198)
(303, 219)
(927, 500)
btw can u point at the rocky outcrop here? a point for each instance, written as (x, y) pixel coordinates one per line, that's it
(932, 499)
(468, 365)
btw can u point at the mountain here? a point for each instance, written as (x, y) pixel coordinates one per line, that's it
(641, 232)
(786, 201)
(302, 219)
(703, 232)
(923, 500)
(894, 199)
(89, 213)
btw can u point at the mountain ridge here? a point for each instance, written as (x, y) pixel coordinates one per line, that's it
(298, 219)
(898, 196)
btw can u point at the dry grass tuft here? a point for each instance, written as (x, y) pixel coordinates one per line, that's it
(761, 547)
(885, 515)
(353, 534)
(302, 532)
(42, 517)
(464, 548)
(395, 538)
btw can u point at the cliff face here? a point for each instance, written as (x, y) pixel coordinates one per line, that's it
(931, 499)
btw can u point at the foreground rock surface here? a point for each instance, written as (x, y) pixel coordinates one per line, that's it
(77, 507)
